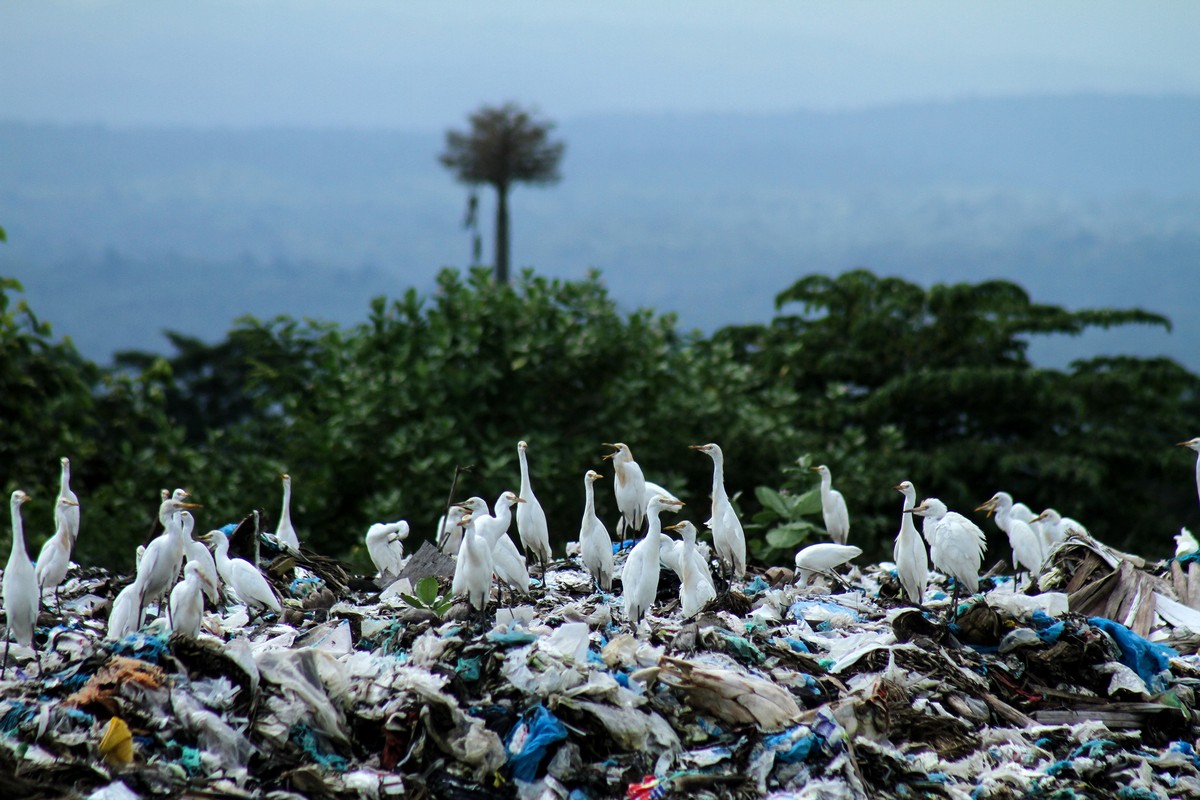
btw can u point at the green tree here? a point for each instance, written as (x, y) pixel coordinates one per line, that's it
(506, 145)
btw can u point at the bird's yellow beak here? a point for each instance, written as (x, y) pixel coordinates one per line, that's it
(898, 488)
(989, 507)
(519, 500)
(69, 501)
(1188, 443)
(674, 527)
(610, 455)
(814, 469)
(696, 447)
(190, 505)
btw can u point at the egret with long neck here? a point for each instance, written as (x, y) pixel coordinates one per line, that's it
(595, 545)
(629, 486)
(639, 576)
(531, 519)
(912, 562)
(284, 531)
(729, 540)
(19, 586)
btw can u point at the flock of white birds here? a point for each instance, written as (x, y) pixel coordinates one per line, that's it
(478, 539)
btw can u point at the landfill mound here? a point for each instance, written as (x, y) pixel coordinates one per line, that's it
(838, 689)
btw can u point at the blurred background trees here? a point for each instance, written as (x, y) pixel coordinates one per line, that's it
(880, 379)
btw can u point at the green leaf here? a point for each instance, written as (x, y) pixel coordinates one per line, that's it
(788, 536)
(773, 501)
(412, 601)
(807, 503)
(427, 590)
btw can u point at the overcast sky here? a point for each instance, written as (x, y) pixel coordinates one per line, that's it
(354, 63)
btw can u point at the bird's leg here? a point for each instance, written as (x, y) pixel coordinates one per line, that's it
(954, 602)
(7, 641)
(57, 602)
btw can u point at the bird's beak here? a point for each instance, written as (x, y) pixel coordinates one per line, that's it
(394, 537)
(674, 527)
(190, 505)
(70, 502)
(695, 447)
(607, 457)
(1188, 443)
(898, 488)
(989, 507)
(814, 469)
(463, 504)
(520, 500)
(1038, 518)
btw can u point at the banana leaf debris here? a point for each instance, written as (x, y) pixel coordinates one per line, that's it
(1083, 685)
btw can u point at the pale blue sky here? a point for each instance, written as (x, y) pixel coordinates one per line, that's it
(360, 63)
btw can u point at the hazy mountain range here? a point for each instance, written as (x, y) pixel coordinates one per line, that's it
(1087, 201)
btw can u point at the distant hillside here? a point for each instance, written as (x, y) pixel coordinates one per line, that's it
(1087, 201)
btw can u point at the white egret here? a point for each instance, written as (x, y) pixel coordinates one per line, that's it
(284, 532)
(473, 569)
(1055, 528)
(822, 557)
(55, 556)
(70, 512)
(197, 553)
(187, 602)
(595, 545)
(1194, 444)
(1185, 543)
(639, 576)
(449, 531)
(531, 519)
(19, 586)
(507, 561)
(629, 485)
(729, 540)
(670, 554)
(242, 576)
(696, 584)
(125, 616)
(1027, 549)
(833, 507)
(912, 563)
(385, 548)
(159, 566)
(956, 545)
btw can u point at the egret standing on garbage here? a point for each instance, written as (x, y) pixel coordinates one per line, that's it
(956, 545)
(125, 616)
(507, 562)
(449, 532)
(912, 563)
(55, 556)
(1194, 444)
(1026, 545)
(19, 586)
(70, 512)
(1055, 528)
(159, 567)
(242, 576)
(822, 557)
(473, 568)
(833, 507)
(384, 546)
(695, 583)
(629, 486)
(639, 576)
(284, 532)
(595, 545)
(196, 553)
(729, 540)
(187, 602)
(531, 520)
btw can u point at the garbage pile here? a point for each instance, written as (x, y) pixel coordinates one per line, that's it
(837, 689)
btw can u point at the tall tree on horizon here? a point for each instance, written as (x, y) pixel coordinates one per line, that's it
(506, 145)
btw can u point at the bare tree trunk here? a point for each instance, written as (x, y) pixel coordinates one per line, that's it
(502, 234)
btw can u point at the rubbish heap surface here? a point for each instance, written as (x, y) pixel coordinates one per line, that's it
(838, 689)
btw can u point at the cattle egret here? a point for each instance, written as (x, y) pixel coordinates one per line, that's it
(912, 563)
(696, 583)
(473, 569)
(55, 556)
(70, 512)
(833, 507)
(1027, 549)
(956, 545)
(19, 586)
(449, 531)
(385, 548)
(629, 486)
(201, 556)
(531, 520)
(595, 545)
(729, 540)
(639, 576)
(284, 532)
(507, 562)
(1055, 528)
(159, 566)
(822, 557)
(187, 602)
(242, 576)
(125, 616)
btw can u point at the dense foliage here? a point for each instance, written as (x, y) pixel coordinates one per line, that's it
(878, 378)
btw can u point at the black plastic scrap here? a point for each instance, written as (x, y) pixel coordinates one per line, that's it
(772, 690)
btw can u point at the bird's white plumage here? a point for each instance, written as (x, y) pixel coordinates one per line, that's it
(595, 545)
(196, 553)
(729, 540)
(822, 557)
(695, 581)
(187, 602)
(531, 519)
(159, 566)
(1194, 444)
(833, 507)
(125, 616)
(639, 576)
(19, 587)
(956, 544)
(1185, 543)
(285, 532)
(629, 486)
(384, 546)
(242, 577)
(1027, 549)
(68, 514)
(449, 532)
(473, 567)
(507, 562)
(55, 556)
(912, 562)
